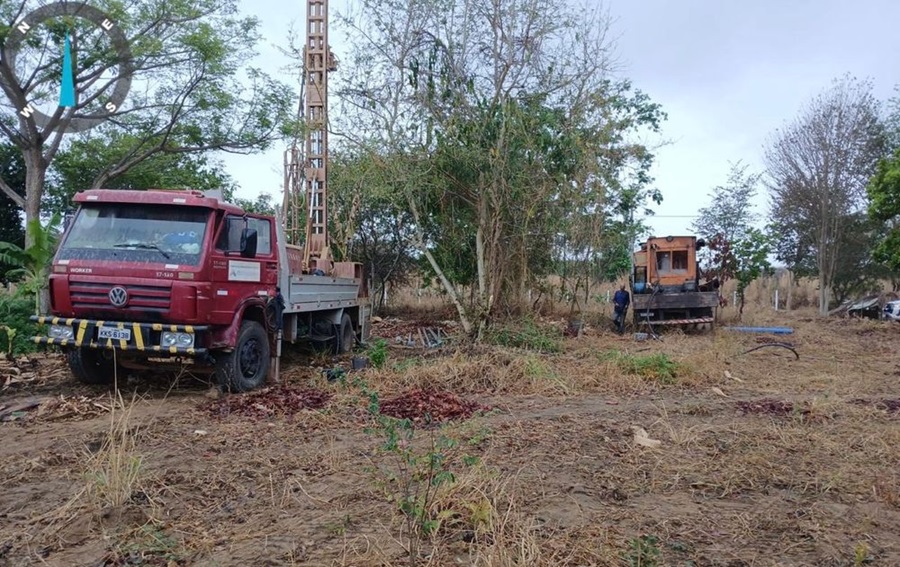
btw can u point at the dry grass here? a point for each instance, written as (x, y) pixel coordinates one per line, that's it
(114, 465)
(760, 295)
(762, 460)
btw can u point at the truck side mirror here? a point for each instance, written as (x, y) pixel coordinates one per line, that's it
(248, 243)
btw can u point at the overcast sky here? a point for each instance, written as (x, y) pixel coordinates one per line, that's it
(727, 74)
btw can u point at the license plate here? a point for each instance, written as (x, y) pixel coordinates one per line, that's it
(114, 334)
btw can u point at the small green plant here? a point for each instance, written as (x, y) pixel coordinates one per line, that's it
(657, 366)
(417, 471)
(643, 551)
(538, 369)
(151, 544)
(527, 335)
(10, 337)
(378, 353)
(405, 364)
(861, 554)
(479, 437)
(339, 528)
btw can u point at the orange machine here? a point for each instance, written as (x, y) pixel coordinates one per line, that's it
(666, 284)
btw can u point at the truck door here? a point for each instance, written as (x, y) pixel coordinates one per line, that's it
(236, 277)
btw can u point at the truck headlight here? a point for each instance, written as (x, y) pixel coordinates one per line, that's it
(61, 332)
(183, 340)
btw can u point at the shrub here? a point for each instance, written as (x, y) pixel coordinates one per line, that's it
(16, 328)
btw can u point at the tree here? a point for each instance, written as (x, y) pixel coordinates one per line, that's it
(495, 121)
(261, 205)
(189, 54)
(818, 167)
(751, 261)
(369, 224)
(859, 271)
(12, 167)
(82, 161)
(884, 206)
(727, 221)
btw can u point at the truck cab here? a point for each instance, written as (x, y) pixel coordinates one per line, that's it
(180, 277)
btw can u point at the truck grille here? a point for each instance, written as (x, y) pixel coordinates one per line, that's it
(151, 301)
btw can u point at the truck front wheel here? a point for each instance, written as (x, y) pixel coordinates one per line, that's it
(91, 366)
(246, 367)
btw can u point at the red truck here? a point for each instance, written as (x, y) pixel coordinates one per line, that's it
(146, 279)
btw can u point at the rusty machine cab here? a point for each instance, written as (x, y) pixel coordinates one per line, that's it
(666, 284)
(668, 264)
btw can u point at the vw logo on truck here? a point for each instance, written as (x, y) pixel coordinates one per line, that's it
(118, 296)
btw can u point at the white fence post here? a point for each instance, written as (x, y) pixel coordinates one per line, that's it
(776, 299)
(734, 299)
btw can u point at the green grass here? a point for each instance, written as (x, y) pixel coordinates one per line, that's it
(528, 335)
(657, 366)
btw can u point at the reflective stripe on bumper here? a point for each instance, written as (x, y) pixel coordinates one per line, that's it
(110, 344)
(678, 321)
(85, 333)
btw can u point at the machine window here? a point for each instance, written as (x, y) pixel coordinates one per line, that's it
(675, 261)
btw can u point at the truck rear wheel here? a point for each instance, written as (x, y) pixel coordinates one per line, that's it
(91, 366)
(345, 336)
(247, 366)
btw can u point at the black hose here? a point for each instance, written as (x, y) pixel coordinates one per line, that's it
(782, 345)
(647, 318)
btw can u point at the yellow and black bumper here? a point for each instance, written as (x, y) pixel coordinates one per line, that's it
(145, 337)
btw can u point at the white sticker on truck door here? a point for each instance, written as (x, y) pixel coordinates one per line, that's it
(239, 271)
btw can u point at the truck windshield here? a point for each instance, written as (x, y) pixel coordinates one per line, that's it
(136, 233)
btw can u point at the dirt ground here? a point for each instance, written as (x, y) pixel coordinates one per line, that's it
(682, 451)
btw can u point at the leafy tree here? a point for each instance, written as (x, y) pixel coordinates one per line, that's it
(884, 206)
(12, 167)
(82, 161)
(859, 272)
(818, 167)
(751, 260)
(368, 225)
(727, 220)
(32, 264)
(262, 204)
(502, 144)
(188, 54)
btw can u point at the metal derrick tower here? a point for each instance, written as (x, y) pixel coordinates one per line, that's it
(306, 171)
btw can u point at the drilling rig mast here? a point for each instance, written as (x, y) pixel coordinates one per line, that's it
(306, 172)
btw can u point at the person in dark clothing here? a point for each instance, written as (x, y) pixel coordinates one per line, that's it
(620, 306)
